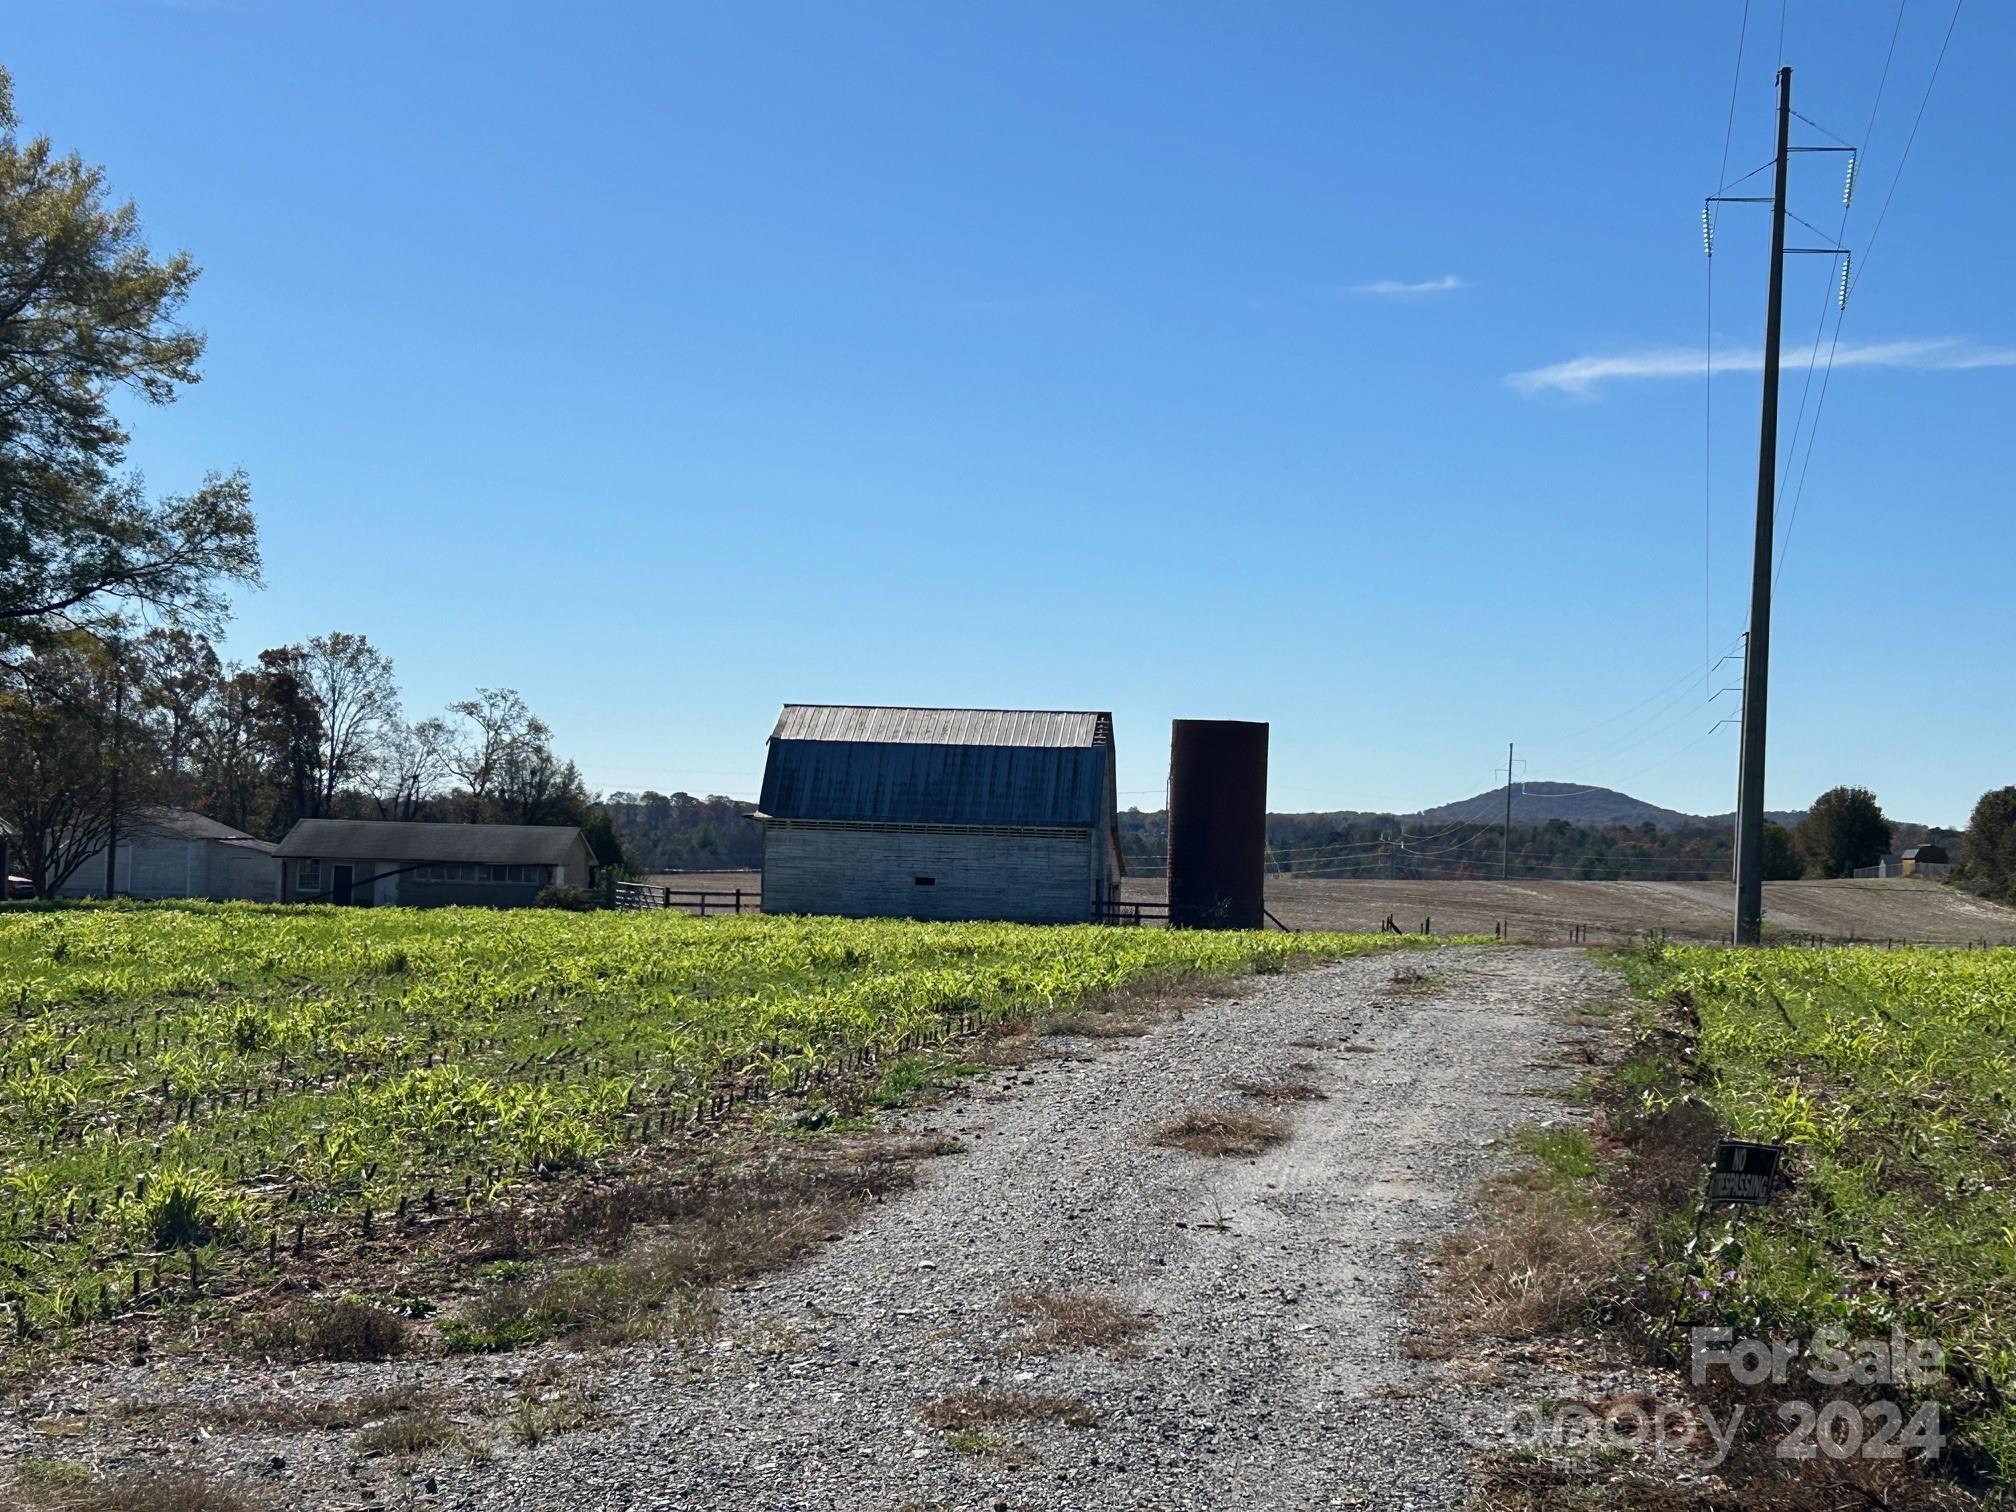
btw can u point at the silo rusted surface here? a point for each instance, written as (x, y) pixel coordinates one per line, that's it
(1217, 823)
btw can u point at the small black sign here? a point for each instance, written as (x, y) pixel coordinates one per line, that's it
(1743, 1173)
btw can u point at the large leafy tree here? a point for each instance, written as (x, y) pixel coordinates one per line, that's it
(1988, 849)
(1844, 829)
(88, 312)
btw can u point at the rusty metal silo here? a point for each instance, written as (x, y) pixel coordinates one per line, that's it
(1217, 823)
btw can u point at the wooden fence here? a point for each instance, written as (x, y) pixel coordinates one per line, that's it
(643, 895)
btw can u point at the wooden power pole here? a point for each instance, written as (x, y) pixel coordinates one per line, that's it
(1757, 666)
(1505, 849)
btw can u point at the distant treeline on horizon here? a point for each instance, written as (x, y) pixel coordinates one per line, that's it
(681, 832)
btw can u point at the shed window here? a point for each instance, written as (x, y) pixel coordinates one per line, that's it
(309, 875)
(475, 871)
(927, 881)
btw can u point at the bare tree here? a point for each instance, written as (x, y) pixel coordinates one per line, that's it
(351, 684)
(500, 731)
(412, 762)
(180, 681)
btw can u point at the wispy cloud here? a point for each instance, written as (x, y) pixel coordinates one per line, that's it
(1394, 288)
(1583, 376)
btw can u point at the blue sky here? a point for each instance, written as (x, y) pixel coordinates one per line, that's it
(670, 362)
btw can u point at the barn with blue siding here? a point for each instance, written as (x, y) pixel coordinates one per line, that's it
(873, 812)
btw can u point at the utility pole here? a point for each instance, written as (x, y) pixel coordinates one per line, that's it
(1505, 851)
(1757, 665)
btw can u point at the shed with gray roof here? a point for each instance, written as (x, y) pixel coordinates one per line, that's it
(940, 813)
(419, 865)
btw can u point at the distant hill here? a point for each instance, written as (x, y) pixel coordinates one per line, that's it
(1577, 803)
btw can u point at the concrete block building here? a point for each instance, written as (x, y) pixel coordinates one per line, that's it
(940, 814)
(414, 865)
(173, 853)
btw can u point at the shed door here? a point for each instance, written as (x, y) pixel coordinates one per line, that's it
(339, 884)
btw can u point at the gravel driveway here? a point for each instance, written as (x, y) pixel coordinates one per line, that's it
(1260, 1384)
(1276, 1288)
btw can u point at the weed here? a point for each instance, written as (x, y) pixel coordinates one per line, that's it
(1531, 1265)
(1064, 1321)
(1567, 1154)
(344, 1329)
(536, 1419)
(408, 1434)
(1221, 1131)
(1276, 1089)
(51, 1474)
(162, 1490)
(906, 1079)
(704, 1234)
(977, 1406)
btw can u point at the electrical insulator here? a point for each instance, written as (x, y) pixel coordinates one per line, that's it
(1847, 259)
(1848, 189)
(1707, 232)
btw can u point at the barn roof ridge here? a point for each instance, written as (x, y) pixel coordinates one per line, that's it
(916, 724)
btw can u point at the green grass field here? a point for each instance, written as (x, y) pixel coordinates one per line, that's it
(209, 1078)
(1892, 1076)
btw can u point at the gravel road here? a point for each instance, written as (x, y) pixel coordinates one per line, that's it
(1276, 1288)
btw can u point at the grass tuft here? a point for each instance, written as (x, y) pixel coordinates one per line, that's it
(1064, 1321)
(1221, 1131)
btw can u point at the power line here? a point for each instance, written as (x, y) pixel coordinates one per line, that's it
(1868, 248)
(1708, 375)
(1687, 676)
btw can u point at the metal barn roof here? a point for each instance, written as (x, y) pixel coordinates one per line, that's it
(393, 840)
(969, 727)
(939, 766)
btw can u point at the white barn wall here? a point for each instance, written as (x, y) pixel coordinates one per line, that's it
(1030, 876)
(171, 867)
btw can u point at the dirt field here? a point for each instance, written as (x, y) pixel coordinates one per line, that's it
(1547, 912)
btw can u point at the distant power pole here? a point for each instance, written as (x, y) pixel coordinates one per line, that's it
(1505, 851)
(1757, 664)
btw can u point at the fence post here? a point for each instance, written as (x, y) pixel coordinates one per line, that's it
(738, 900)
(668, 898)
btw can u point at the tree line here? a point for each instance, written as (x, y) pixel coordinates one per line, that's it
(95, 730)
(1845, 829)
